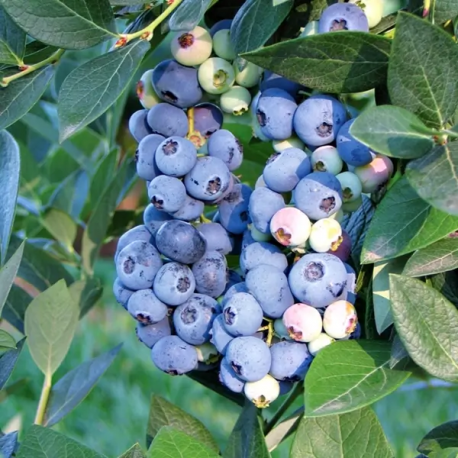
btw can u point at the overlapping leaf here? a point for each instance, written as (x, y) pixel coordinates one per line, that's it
(188, 15)
(12, 40)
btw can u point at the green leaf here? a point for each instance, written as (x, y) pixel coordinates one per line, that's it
(41, 442)
(86, 294)
(8, 444)
(435, 177)
(92, 88)
(255, 22)
(8, 273)
(65, 24)
(329, 62)
(403, 222)
(9, 181)
(247, 439)
(61, 226)
(381, 290)
(447, 284)
(171, 442)
(74, 386)
(6, 341)
(440, 439)
(427, 324)
(393, 131)
(21, 95)
(284, 429)
(163, 413)
(15, 307)
(12, 40)
(361, 377)
(356, 434)
(188, 15)
(8, 361)
(442, 10)
(135, 451)
(50, 323)
(103, 175)
(424, 83)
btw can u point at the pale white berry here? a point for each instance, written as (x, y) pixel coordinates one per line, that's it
(340, 319)
(262, 392)
(326, 234)
(323, 340)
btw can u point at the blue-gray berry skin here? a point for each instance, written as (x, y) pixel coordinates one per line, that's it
(233, 209)
(351, 150)
(242, 315)
(151, 333)
(249, 357)
(121, 293)
(138, 125)
(275, 111)
(191, 210)
(290, 361)
(154, 219)
(229, 378)
(220, 25)
(137, 265)
(210, 273)
(176, 84)
(193, 320)
(174, 356)
(176, 156)
(272, 80)
(318, 195)
(145, 307)
(351, 284)
(318, 279)
(233, 277)
(284, 170)
(208, 118)
(140, 233)
(345, 16)
(145, 157)
(216, 236)
(167, 194)
(208, 180)
(181, 242)
(220, 338)
(239, 287)
(224, 145)
(318, 119)
(258, 253)
(174, 283)
(167, 120)
(263, 205)
(270, 287)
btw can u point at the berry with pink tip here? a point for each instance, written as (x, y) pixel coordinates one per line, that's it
(325, 235)
(290, 227)
(303, 322)
(375, 174)
(192, 48)
(343, 249)
(340, 319)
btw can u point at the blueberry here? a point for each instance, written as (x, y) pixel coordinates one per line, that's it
(340, 319)
(351, 150)
(326, 234)
(220, 25)
(224, 145)
(223, 46)
(242, 315)
(216, 236)
(262, 392)
(229, 378)
(208, 118)
(345, 16)
(376, 174)
(318, 279)
(193, 320)
(176, 156)
(233, 277)
(255, 124)
(239, 287)
(351, 186)
(174, 283)
(351, 284)
(151, 333)
(121, 293)
(208, 180)
(167, 120)
(140, 233)
(272, 80)
(145, 307)
(318, 195)
(303, 322)
(236, 100)
(247, 239)
(145, 157)
(154, 218)
(284, 170)
(216, 75)
(318, 119)
(210, 274)
(145, 91)
(317, 344)
(290, 227)
(167, 193)
(327, 159)
(180, 242)
(191, 48)
(191, 210)
(138, 126)
(174, 356)
(263, 205)
(343, 248)
(262, 253)
(233, 209)
(275, 111)
(220, 338)
(246, 73)
(177, 84)
(137, 265)
(290, 361)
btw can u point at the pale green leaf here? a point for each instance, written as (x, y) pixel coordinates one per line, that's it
(8, 273)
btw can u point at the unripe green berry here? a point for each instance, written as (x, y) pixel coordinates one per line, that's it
(216, 75)
(323, 340)
(223, 46)
(246, 73)
(350, 207)
(326, 159)
(351, 186)
(191, 48)
(258, 235)
(236, 100)
(145, 91)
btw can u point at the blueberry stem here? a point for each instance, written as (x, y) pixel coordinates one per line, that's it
(43, 404)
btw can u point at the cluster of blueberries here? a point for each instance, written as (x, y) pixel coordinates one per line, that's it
(293, 293)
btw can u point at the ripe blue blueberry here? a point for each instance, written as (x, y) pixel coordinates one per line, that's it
(174, 283)
(229, 378)
(145, 157)
(208, 118)
(166, 120)
(140, 233)
(220, 338)
(121, 293)
(174, 356)
(176, 156)
(151, 333)
(233, 277)
(145, 307)
(343, 16)
(138, 126)
(210, 274)
(154, 219)
(272, 80)
(233, 209)
(263, 205)
(224, 145)
(191, 48)
(167, 194)
(290, 361)
(216, 236)
(242, 315)
(258, 253)
(351, 150)
(239, 287)
(191, 210)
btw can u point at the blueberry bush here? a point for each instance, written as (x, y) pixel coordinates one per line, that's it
(292, 232)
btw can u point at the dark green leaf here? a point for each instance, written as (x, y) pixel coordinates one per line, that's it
(442, 10)
(74, 386)
(8, 361)
(447, 284)
(435, 177)
(188, 15)
(96, 85)
(50, 323)
(61, 226)
(15, 307)
(247, 439)
(440, 439)
(255, 22)
(163, 413)
(356, 434)
(65, 24)
(12, 41)
(171, 442)
(361, 377)
(424, 82)
(399, 355)
(8, 273)
(40, 442)
(21, 95)
(86, 293)
(393, 131)
(9, 181)
(135, 451)
(103, 175)
(404, 223)
(8, 444)
(385, 24)
(330, 62)
(427, 324)
(7, 341)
